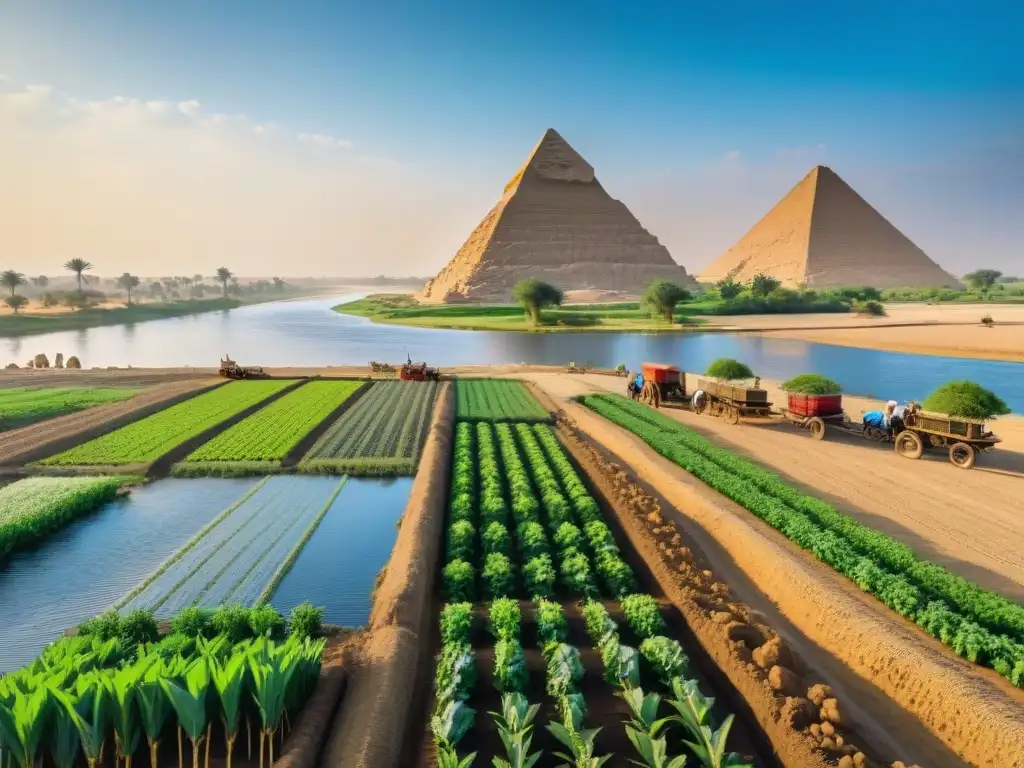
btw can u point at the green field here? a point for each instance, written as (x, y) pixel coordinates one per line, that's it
(382, 434)
(270, 433)
(20, 406)
(496, 400)
(32, 508)
(147, 440)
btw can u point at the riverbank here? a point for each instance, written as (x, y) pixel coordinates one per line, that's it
(32, 324)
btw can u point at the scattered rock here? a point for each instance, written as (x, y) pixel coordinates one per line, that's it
(721, 617)
(73, 362)
(799, 713)
(828, 729)
(828, 744)
(41, 361)
(816, 732)
(748, 635)
(860, 759)
(830, 711)
(58, 361)
(782, 680)
(840, 741)
(773, 653)
(846, 762)
(818, 693)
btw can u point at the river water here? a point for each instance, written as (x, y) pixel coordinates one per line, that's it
(309, 333)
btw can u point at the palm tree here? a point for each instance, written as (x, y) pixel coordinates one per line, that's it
(224, 275)
(12, 279)
(128, 282)
(78, 266)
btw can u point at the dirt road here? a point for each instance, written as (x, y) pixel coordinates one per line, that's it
(968, 521)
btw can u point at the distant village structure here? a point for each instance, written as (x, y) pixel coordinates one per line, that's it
(824, 235)
(555, 222)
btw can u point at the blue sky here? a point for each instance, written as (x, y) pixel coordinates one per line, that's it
(920, 106)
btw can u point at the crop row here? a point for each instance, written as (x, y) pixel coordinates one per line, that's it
(978, 625)
(382, 434)
(272, 432)
(20, 406)
(150, 438)
(242, 555)
(32, 508)
(559, 535)
(118, 686)
(659, 663)
(496, 400)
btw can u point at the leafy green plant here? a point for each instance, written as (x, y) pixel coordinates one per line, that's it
(461, 535)
(532, 540)
(577, 740)
(644, 729)
(568, 536)
(305, 620)
(694, 714)
(729, 369)
(621, 663)
(564, 671)
(665, 656)
(539, 576)
(811, 384)
(498, 575)
(495, 538)
(552, 626)
(458, 581)
(510, 672)
(965, 399)
(515, 726)
(505, 619)
(192, 622)
(615, 574)
(643, 615)
(576, 573)
(451, 722)
(456, 623)
(266, 621)
(456, 673)
(104, 627)
(232, 621)
(599, 623)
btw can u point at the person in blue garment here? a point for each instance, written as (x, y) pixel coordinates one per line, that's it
(876, 419)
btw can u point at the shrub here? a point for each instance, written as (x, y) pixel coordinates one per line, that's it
(191, 622)
(73, 362)
(532, 540)
(266, 621)
(461, 535)
(104, 627)
(600, 536)
(456, 623)
(729, 369)
(599, 624)
(495, 538)
(966, 400)
(306, 620)
(498, 577)
(232, 621)
(139, 626)
(456, 672)
(987, 321)
(871, 308)
(568, 536)
(642, 613)
(505, 619)
(510, 671)
(576, 573)
(176, 645)
(458, 581)
(811, 384)
(617, 576)
(665, 656)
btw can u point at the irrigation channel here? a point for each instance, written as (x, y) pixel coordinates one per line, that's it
(180, 541)
(309, 333)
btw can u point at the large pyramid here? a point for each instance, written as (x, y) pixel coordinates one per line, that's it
(824, 235)
(554, 222)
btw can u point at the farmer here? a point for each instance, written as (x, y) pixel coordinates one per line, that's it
(876, 419)
(897, 416)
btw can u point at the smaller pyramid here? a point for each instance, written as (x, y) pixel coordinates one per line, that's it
(555, 222)
(824, 235)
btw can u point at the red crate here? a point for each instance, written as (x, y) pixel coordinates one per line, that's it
(816, 405)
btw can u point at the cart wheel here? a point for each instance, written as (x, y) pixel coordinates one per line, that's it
(963, 455)
(817, 427)
(909, 445)
(731, 415)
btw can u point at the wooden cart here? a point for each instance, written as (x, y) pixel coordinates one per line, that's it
(658, 383)
(731, 402)
(962, 438)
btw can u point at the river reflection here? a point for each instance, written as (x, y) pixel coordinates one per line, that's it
(309, 333)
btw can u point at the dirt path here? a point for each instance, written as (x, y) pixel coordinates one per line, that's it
(62, 432)
(968, 521)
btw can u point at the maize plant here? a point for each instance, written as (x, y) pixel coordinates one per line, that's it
(694, 714)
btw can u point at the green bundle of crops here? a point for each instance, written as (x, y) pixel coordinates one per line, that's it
(729, 369)
(966, 400)
(86, 692)
(811, 384)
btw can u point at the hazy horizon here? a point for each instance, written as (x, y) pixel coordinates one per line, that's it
(344, 142)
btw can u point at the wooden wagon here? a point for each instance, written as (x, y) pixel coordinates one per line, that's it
(963, 438)
(730, 401)
(658, 383)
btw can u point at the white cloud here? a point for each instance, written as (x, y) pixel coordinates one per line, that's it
(128, 182)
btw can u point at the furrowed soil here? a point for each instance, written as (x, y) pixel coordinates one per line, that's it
(46, 438)
(883, 669)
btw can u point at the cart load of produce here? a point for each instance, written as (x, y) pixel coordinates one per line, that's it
(811, 384)
(730, 370)
(965, 400)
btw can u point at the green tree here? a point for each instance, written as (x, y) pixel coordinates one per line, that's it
(535, 294)
(129, 283)
(41, 282)
(12, 279)
(15, 302)
(728, 288)
(79, 267)
(983, 279)
(224, 275)
(661, 297)
(763, 284)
